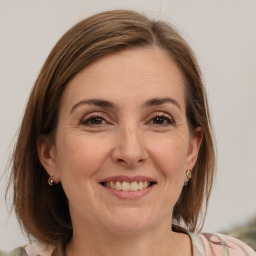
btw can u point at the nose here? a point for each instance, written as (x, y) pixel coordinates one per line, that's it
(129, 150)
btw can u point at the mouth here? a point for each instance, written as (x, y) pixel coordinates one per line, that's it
(126, 186)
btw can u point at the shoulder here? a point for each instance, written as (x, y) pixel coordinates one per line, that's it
(20, 251)
(29, 250)
(35, 249)
(218, 244)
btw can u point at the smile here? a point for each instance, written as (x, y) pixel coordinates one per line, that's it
(127, 186)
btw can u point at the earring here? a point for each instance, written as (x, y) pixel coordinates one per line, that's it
(189, 175)
(51, 182)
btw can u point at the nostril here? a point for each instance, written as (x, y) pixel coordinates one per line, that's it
(120, 160)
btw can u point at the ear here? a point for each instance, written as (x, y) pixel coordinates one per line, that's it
(194, 146)
(47, 155)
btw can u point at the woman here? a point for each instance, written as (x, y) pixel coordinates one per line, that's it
(115, 154)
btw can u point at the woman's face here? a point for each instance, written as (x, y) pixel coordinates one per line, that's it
(122, 144)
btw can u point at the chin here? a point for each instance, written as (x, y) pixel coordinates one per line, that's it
(129, 221)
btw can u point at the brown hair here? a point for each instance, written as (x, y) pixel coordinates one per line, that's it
(43, 210)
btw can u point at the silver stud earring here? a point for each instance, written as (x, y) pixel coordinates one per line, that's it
(51, 181)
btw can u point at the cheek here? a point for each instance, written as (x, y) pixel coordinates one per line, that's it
(169, 159)
(170, 156)
(77, 158)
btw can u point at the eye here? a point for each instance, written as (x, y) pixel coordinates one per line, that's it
(93, 120)
(162, 120)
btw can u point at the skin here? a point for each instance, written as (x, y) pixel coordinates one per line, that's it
(133, 138)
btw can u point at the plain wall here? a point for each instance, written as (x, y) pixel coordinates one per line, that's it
(223, 36)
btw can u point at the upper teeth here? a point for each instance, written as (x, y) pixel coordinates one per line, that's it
(127, 186)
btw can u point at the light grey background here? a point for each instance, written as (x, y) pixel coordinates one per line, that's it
(223, 36)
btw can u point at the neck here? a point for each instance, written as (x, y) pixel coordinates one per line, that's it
(162, 242)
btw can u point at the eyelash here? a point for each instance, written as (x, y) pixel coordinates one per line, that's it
(92, 117)
(166, 119)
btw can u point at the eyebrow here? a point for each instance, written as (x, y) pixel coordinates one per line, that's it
(96, 102)
(108, 104)
(160, 101)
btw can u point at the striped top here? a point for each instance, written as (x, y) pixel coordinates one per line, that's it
(203, 245)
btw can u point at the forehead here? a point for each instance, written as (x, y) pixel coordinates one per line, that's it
(139, 74)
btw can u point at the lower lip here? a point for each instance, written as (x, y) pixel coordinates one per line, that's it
(130, 194)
